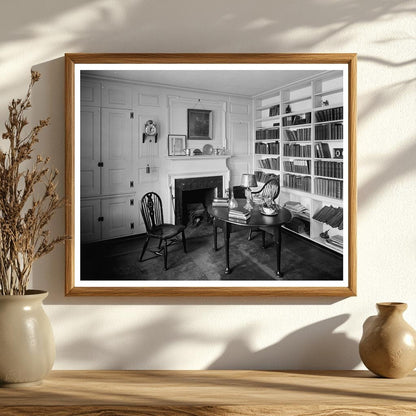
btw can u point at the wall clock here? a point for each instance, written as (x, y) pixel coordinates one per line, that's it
(150, 130)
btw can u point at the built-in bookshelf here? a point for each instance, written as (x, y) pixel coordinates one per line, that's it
(299, 137)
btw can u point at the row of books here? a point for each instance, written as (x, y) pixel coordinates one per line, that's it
(329, 187)
(332, 131)
(270, 163)
(297, 119)
(322, 150)
(220, 202)
(297, 150)
(329, 114)
(298, 135)
(267, 148)
(297, 166)
(264, 177)
(330, 169)
(274, 110)
(268, 134)
(240, 214)
(333, 216)
(302, 183)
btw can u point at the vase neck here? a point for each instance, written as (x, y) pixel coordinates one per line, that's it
(389, 308)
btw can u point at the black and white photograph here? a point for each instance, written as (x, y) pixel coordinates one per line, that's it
(220, 175)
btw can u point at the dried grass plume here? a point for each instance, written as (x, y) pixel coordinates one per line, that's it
(28, 199)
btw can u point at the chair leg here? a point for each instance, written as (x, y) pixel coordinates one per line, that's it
(184, 241)
(160, 243)
(165, 255)
(249, 234)
(144, 247)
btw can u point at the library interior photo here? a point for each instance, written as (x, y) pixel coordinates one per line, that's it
(213, 174)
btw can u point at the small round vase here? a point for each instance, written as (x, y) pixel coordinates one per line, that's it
(388, 345)
(27, 346)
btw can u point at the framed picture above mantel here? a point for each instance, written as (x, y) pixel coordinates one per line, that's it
(199, 124)
(144, 221)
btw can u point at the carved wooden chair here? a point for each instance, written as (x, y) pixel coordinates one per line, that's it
(270, 191)
(152, 213)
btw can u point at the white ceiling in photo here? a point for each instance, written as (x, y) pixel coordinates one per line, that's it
(234, 82)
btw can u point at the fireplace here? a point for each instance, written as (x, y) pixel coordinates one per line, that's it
(194, 195)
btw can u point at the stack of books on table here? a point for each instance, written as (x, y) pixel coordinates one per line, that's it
(220, 202)
(241, 214)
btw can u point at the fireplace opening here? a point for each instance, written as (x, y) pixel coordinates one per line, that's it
(193, 196)
(196, 205)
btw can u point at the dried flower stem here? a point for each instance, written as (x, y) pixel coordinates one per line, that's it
(24, 211)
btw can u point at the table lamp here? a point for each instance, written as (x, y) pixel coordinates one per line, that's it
(248, 180)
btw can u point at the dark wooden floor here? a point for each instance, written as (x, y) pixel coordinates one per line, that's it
(119, 259)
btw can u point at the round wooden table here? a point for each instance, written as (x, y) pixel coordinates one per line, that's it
(266, 223)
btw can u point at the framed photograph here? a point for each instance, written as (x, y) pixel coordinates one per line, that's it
(199, 124)
(143, 223)
(177, 145)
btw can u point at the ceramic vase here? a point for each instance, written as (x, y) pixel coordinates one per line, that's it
(388, 345)
(27, 346)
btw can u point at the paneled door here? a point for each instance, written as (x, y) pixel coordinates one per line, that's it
(117, 151)
(90, 151)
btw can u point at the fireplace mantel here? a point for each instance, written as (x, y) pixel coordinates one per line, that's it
(196, 158)
(185, 167)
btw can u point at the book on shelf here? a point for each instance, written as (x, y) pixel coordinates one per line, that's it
(297, 150)
(333, 216)
(331, 131)
(335, 241)
(297, 166)
(302, 183)
(298, 119)
(269, 163)
(330, 114)
(296, 208)
(329, 187)
(299, 135)
(267, 148)
(274, 110)
(268, 134)
(329, 169)
(322, 150)
(264, 177)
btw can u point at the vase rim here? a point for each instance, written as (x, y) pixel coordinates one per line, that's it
(392, 305)
(32, 293)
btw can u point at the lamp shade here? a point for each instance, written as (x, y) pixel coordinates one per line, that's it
(248, 180)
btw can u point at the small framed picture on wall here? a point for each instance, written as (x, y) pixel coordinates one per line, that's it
(176, 144)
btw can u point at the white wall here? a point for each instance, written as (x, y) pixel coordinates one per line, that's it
(198, 333)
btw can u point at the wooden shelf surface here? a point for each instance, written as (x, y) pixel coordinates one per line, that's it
(207, 393)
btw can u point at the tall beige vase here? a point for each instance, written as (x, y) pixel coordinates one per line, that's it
(388, 345)
(27, 346)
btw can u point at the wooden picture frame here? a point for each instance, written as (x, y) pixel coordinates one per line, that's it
(229, 115)
(199, 124)
(176, 144)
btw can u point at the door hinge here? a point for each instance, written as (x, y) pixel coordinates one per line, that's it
(100, 219)
(131, 184)
(131, 202)
(100, 164)
(132, 225)
(132, 115)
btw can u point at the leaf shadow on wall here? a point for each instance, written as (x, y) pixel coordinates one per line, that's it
(316, 346)
(149, 346)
